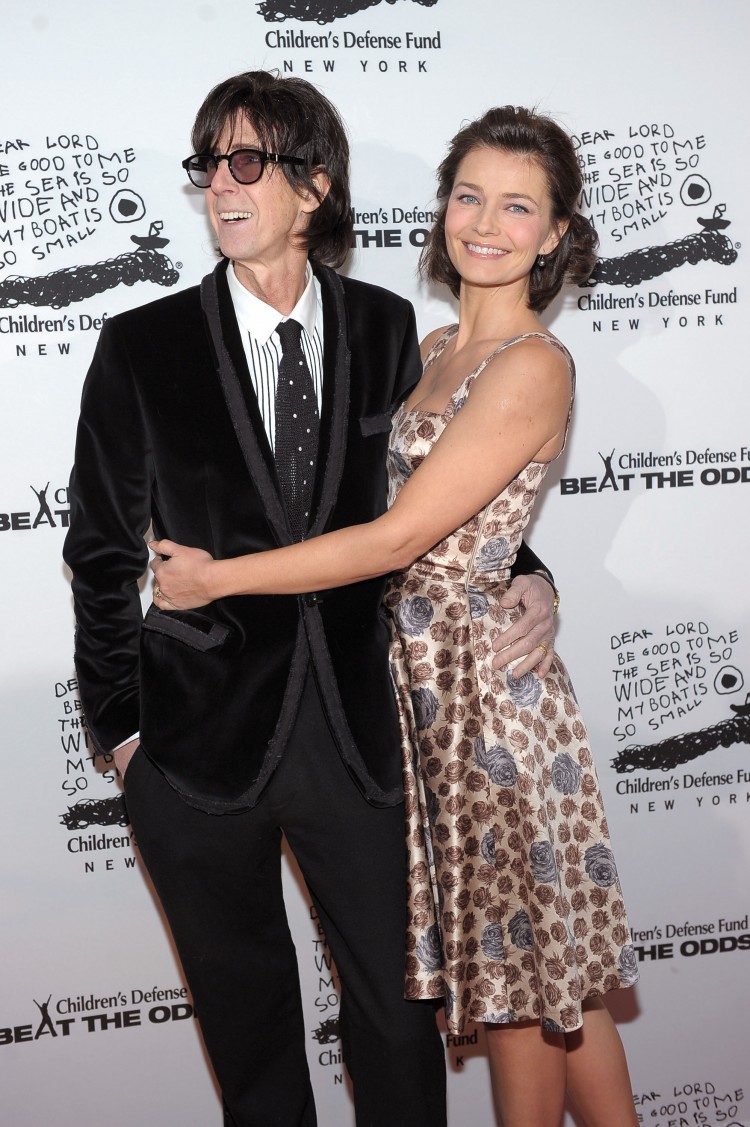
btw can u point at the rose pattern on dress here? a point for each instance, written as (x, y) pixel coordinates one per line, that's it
(505, 1018)
(433, 807)
(397, 462)
(526, 690)
(429, 949)
(479, 604)
(499, 764)
(450, 1001)
(627, 963)
(600, 865)
(425, 705)
(488, 848)
(520, 930)
(542, 860)
(515, 909)
(566, 775)
(414, 615)
(491, 556)
(492, 942)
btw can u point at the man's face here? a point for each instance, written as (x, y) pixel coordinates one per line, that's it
(255, 224)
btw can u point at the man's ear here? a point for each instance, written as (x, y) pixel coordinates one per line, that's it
(322, 183)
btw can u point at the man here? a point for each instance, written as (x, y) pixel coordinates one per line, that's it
(260, 716)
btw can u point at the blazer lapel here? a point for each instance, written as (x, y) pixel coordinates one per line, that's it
(243, 409)
(334, 416)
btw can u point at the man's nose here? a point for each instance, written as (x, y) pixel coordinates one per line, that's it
(223, 178)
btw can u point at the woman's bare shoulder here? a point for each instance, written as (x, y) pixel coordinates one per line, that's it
(533, 364)
(431, 340)
(538, 352)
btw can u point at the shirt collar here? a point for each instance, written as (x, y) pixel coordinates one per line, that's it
(260, 319)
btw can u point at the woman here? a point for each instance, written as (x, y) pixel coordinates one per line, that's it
(516, 914)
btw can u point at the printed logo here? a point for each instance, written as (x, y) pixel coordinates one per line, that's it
(57, 195)
(634, 179)
(80, 770)
(52, 511)
(707, 245)
(722, 936)
(627, 471)
(683, 748)
(74, 1015)
(325, 991)
(664, 678)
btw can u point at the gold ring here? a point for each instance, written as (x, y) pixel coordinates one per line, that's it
(157, 592)
(541, 646)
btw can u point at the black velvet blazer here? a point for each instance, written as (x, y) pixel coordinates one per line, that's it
(170, 435)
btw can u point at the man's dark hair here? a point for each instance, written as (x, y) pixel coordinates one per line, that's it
(514, 129)
(292, 117)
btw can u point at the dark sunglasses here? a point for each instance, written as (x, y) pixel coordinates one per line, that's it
(245, 165)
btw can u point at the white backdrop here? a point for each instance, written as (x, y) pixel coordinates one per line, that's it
(641, 523)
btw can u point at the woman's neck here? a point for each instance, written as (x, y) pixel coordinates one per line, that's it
(497, 313)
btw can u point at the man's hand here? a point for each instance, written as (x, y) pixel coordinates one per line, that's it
(532, 635)
(181, 582)
(124, 754)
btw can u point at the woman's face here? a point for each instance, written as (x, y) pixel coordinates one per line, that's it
(499, 218)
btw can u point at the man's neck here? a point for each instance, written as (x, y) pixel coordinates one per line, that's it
(281, 290)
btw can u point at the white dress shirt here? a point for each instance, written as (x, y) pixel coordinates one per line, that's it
(258, 321)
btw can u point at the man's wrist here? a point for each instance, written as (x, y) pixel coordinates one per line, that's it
(548, 579)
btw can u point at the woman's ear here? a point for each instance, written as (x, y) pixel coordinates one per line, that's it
(559, 227)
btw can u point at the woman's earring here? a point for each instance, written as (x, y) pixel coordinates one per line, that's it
(540, 261)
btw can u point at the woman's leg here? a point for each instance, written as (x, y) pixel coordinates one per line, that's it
(528, 1073)
(531, 1071)
(598, 1078)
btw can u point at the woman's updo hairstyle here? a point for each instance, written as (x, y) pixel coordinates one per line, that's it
(517, 130)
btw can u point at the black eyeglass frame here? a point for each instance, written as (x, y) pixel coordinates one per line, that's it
(265, 158)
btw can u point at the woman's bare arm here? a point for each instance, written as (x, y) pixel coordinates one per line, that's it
(516, 413)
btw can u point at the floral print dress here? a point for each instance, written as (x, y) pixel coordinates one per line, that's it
(515, 907)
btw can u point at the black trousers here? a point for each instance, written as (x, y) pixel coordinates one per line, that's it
(219, 881)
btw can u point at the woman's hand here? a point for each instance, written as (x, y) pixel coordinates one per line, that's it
(182, 581)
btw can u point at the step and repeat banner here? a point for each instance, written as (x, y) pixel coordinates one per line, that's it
(644, 521)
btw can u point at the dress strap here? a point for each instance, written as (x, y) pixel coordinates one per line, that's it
(526, 336)
(439, 345)
(466, 384)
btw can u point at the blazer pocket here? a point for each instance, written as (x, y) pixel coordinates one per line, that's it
(188, 626)
(376, 424)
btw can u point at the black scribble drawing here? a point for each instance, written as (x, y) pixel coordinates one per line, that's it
(327, 1032)
(729, 679)
(669, 753)
(126, 206)
(154, 240)
(96, 812)
(708, 245)
(321, 11)
(76, 283)
(695, 190)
